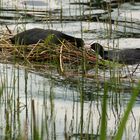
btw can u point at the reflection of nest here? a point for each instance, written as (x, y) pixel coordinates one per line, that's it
(64, 54)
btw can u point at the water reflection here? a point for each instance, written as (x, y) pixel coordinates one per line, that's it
(35, 3)
(31, 103)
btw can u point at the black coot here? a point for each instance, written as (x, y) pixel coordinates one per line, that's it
(33, 36)
(124, 56)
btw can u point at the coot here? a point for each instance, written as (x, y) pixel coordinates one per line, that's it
(124, 56)
(32, 36)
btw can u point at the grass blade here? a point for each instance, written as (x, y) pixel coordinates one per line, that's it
(126, 113)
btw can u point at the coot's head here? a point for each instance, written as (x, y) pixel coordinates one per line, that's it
(98, 49)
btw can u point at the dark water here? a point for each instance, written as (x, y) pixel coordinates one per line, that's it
(57, 99)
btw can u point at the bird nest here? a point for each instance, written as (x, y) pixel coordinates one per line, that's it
(65, 56)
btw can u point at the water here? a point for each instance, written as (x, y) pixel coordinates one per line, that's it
(61, 101)
(56, 99)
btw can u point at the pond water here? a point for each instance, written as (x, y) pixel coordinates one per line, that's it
(55, 100)
(57, 106)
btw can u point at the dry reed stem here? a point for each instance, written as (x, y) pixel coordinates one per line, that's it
(61, 61)
(33, 49)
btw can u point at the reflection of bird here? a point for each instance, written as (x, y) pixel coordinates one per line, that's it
(125, 56)
(36, 35)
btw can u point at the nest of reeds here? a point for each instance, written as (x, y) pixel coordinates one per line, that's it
(63, 55)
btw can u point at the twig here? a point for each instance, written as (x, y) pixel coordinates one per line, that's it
(32, 49)
(60, 58)
(8, 29)
(135, 69)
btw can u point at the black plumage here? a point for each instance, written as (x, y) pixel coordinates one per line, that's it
(35, 35)
(126, 56)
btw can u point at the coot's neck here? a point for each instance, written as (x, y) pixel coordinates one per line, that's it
(99, 50)
(105, 55)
